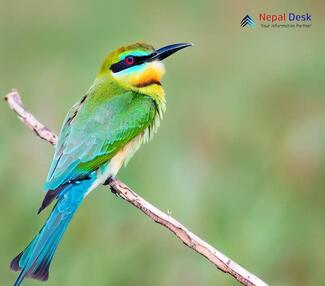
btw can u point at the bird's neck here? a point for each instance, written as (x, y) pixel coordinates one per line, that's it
(105, 86)
(155, 91)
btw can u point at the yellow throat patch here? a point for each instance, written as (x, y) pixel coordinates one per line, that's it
(147, 74)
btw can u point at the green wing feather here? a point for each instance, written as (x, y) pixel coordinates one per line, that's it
(93, 132)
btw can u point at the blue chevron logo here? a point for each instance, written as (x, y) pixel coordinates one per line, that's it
(247, 21)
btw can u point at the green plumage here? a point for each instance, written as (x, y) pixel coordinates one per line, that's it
(97, 128)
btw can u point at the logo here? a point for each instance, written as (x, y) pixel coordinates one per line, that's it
(247, 20)
(264, 17)
(279, 20)
(285, 20)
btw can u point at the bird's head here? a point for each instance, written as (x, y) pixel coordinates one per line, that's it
(138, 65)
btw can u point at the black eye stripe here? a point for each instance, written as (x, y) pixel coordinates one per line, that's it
(122, 65)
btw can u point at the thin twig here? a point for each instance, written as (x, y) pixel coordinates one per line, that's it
(14, 101)
(221, 261)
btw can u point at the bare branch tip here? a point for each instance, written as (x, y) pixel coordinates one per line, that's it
(14, 95)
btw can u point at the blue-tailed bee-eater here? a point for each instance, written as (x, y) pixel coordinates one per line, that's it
(120, 111)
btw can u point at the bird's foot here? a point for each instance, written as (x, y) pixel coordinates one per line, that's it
(107, 182)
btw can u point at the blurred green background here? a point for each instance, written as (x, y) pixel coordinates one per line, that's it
(239, 158)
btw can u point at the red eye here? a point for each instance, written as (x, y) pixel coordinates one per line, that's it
(129, 60)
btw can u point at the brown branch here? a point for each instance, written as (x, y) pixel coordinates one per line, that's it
(221, 261)
(14, 101)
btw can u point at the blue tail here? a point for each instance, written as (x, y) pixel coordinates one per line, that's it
(35, 260)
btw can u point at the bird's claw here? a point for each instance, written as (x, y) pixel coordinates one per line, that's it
(114, 192)
(107, 182)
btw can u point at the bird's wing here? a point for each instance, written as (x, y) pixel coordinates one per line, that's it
(93, 133)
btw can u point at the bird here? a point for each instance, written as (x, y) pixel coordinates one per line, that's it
(121, 110)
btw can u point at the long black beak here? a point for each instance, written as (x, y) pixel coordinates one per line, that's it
(166, 51)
